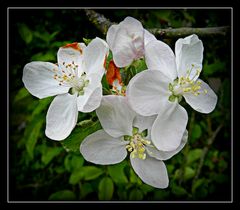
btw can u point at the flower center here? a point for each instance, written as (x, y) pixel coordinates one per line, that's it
(137, 144)
(185, 85)
(69, 77)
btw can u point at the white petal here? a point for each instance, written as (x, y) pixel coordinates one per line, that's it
(94, 56)
(71, 53)
(38, 78)
(92, 94)
(159, 56)
(147, 92)
(115, 116)
(111, 35)
(168, 128)
(123, 49)
(151, 171)
(143, 122)
(61, 117)
(90, 101)
(148, 37)
(132, 25)
(204, 102)
(189, 51)
(162, 155)
(135, 30)
(100, 148)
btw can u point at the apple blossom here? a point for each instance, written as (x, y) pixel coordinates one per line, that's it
(169, 78)
(75, 79)
(126, 131)
(127, 41)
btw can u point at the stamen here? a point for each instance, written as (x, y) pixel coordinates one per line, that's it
(186, 84)
(137, 144)
(69, 77)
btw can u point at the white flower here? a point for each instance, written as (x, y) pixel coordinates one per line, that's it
(124, 130)
(126, 41)
(75, 79)
(168, 78)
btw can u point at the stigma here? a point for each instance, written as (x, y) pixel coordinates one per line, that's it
(68, 75)
(137, 143)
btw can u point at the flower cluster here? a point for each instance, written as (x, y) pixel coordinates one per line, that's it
(144, 117)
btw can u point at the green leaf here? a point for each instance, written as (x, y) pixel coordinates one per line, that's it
(135, 195)
(48, 155)
(194, 155)
(48, 56)
(85, 173)
(44, 36)
(87, 41)
(72, 143)
(42, 105)
(52, 36)
(73, 162)
(21, 94)
(178, 191)
(188, 173)
(134, 178)
(105, 85)
(91, 172)
(58, 44)
(139, 65)
(188, 17)
(60, 169)
(220, 178)
(105, 189)
(77, 162)
(222, 164)
(161, 195)
(210, 69)
(198, 183)
(64, 195)
(76, 176)
(170, 168)
(117, 173)
(25, 33)
(200, 188)
(85, 189)
(196, 132)
(146, 188)
(32, 133)
(67, 162)
(122, 194)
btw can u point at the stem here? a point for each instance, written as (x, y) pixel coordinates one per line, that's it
(102, 23)
(205, 151)
(186, 149)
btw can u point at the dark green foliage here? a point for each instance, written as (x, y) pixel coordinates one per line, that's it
(42, 169)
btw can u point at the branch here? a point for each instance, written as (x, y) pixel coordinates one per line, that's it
(99, 20)
(182, 32)
(103, 24)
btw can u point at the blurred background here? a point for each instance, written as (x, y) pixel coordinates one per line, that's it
(41, 169)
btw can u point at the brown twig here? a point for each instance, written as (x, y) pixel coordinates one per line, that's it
(99, 20)
(102, 23)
